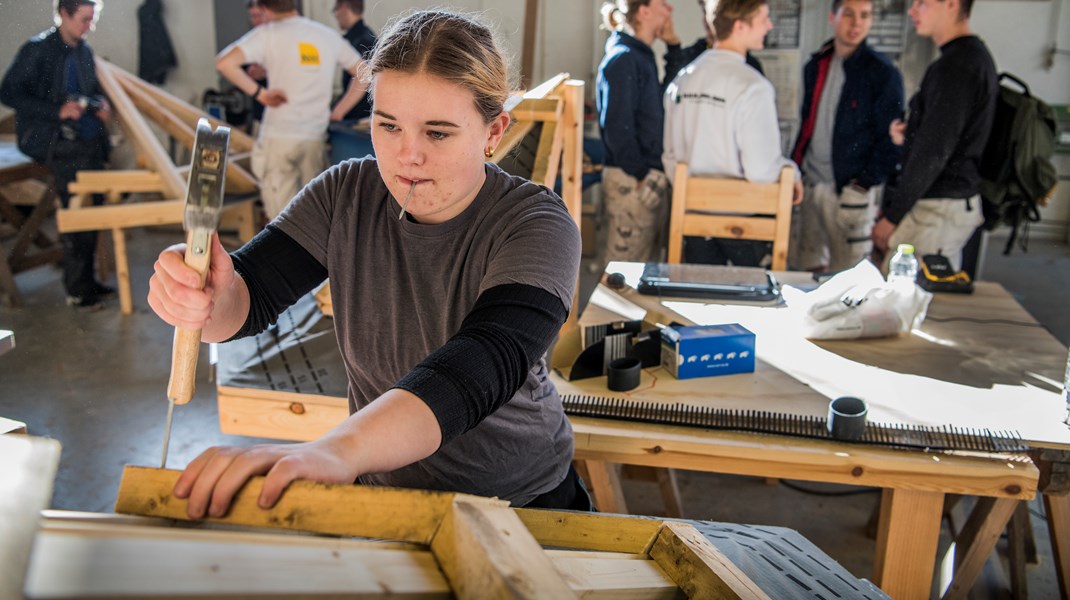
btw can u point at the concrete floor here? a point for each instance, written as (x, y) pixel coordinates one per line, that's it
(96, 381)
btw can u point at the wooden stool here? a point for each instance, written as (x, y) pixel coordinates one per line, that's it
(20, 185)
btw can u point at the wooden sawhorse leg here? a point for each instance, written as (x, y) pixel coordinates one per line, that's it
(1058, 509)
(122, 271)
(976, 541)
(605, 488)
(906, 542)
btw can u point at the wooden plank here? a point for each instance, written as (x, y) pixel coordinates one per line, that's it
(729, 227)
(1058, 510)
(139, 214)
(486, 552)
(147, 562)
(527, 53)
(797, 458)
(354, 510)
(732, 195)
(122, 272)
(910, 524)
(108, 555)
(513, 136)
(27, 471)
(606, 491)
(239, 140)
(138, 131)
(303, 419)
(590, 531)
(701, 570)
(546, 88)
(538, 109)
(547, 156)
(976, 542)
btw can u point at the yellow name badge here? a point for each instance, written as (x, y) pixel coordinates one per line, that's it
(310, 55)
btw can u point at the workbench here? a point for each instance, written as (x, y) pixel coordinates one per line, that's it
(978, 361)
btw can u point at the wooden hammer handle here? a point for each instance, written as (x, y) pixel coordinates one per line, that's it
(187, 342)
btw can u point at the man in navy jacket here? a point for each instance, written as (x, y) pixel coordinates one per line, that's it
(852, 95)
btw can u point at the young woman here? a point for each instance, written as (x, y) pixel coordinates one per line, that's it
(630, 113)
(443, 315)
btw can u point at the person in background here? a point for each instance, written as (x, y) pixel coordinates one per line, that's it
(677, 57)
(61, 118)
(256, 70)
(350, 17)
(934, 202)
(852, 93)
(721, 119)
(300, 55)
(630, 115)
(443, 316)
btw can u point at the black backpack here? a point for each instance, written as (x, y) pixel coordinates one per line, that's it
(1017, 174)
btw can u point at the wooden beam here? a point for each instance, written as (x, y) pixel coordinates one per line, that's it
(239, 140)
(27, 471)
(486, 552)
(103, 182)
(976, 541)
(138, 131)
(512, 138)
(139, 214)
(701, 570)
(544, 89)
(547, 156)
(527, 54)
(590, 531)
(1058, 510)
(352, 510)
(911, 511)
(537, 109)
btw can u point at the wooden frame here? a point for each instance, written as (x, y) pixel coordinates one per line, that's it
(731, 208)
(21, 183)
(436, 544)
(136, 103)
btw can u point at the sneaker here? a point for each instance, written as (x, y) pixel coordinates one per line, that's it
(85, 303)
(103, 291)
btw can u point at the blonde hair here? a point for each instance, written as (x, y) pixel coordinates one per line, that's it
(618, 13)
(451, 46)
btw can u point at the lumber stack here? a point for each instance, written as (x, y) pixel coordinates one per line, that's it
(137, 105)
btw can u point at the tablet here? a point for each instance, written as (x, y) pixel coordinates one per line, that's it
(709, 282)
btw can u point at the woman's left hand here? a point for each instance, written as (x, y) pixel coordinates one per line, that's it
(213, 478)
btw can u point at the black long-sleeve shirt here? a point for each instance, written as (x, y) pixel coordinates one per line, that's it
(950, 119)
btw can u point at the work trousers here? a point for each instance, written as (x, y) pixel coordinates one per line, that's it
(935, 225)
(831, 231)
(283, 166)
(638, 215)
(80, 248)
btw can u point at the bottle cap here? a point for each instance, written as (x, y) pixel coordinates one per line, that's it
(906, 248)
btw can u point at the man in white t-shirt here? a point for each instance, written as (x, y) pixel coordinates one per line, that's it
(300, 57)
(721, 119)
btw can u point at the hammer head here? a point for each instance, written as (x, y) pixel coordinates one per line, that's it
(207, 177)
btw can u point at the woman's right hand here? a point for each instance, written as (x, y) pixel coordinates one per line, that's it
(174, 288)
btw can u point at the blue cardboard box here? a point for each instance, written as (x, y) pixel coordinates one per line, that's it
(706, 350)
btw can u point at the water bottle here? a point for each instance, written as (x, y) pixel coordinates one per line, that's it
(904, 266)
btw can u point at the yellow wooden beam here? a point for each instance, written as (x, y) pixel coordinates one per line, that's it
(486, 552)
(353, 510)
(700, 569)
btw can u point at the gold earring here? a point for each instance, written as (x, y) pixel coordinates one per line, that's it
(489, 153)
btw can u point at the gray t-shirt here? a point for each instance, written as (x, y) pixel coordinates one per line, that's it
(817, 164)
(401, 289)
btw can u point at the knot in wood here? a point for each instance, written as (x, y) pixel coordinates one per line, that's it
(736, 231)
(656, 450)
(297, 408)
(857, 472)
(1013, 489)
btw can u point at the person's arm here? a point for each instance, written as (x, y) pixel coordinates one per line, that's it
(619, 115)
(229, 64)
(931, 143)
(884, 154)
(358, 86)
(474, 373)
(16, 89)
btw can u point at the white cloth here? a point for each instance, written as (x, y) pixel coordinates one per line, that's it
(720, 119)
(300, 56)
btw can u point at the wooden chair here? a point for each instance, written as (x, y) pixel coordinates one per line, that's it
(731, 208)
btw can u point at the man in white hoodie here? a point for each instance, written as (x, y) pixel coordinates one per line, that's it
(300, 56)
(721, 119)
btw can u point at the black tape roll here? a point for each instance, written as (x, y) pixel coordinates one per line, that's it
(624, 374)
